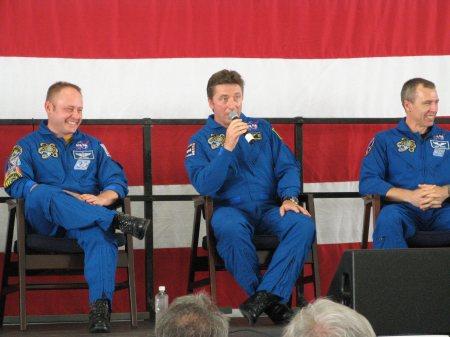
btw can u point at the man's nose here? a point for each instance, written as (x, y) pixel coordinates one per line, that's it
(232, 105)
(76, 113)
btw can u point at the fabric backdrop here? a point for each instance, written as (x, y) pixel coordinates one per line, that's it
(152, 59)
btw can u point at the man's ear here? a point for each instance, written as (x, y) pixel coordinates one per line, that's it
(407, 105)
(210, 103)
(48, 106)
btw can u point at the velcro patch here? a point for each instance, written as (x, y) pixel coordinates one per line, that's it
(83, 154)
(82, 164)
(439, 144)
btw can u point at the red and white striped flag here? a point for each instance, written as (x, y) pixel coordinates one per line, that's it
(152, 59)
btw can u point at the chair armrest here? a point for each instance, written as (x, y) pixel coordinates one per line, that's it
(374, 201)
(12, 204)
(307, 199)
(371, 201)
(199, 200)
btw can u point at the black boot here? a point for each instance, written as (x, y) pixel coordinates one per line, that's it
(100, 316)
(129, 224)
(279, 313)
(256, 304)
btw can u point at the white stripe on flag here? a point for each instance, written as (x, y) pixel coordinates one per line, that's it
(175, 88)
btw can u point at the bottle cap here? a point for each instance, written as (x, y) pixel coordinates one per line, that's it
(162, 288)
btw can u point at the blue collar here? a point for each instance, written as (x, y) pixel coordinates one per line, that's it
(44, 130)
(404, 128)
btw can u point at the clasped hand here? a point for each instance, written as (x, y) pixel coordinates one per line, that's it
(429, 196)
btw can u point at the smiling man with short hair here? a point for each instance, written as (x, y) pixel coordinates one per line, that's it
(409, 166)
(65, 177)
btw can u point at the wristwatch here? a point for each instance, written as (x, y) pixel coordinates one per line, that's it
(293, 199)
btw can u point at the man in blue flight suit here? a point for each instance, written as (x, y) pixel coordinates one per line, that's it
(65, 177)
(245, 176)
(410, 167)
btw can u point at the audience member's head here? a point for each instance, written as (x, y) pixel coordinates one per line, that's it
(325, 318)
(192, 316)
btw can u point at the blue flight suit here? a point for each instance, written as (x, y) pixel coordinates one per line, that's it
(400, 158)
(40, 168)
(244, 185)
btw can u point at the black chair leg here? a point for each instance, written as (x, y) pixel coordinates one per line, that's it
(7, 263)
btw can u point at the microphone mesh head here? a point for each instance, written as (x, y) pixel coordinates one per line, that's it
(233, 115)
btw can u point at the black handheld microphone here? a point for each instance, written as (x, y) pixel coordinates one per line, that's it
(248, 136)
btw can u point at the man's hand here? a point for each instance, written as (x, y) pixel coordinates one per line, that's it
(105, 198)
(424, 197)
(432, 196)
(236, 128)
(289, 205)
(93, 199)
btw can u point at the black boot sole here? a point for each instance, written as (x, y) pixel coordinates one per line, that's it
(251, 319)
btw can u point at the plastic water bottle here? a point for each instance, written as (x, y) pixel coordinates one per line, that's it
(161, 302)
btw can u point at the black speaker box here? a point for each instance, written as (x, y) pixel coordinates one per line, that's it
(401, 291)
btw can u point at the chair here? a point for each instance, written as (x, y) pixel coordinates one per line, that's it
(43, 255)
(265, 246)
(421, 239)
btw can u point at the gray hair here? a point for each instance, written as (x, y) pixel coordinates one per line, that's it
(408, 92)
(325, 318)
(192, 316)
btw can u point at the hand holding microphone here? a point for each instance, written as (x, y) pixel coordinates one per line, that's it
(236, 128)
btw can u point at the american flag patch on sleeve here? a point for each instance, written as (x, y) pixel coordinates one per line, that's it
(190, 150)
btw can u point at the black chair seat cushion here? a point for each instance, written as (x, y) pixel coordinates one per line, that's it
(261, 241)
(36, 243)
(429, 239)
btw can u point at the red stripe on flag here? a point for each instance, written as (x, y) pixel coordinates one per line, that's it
(241, 28)
(333, 152)
(125, 144)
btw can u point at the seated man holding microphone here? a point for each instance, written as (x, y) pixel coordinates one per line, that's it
(243, 164)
